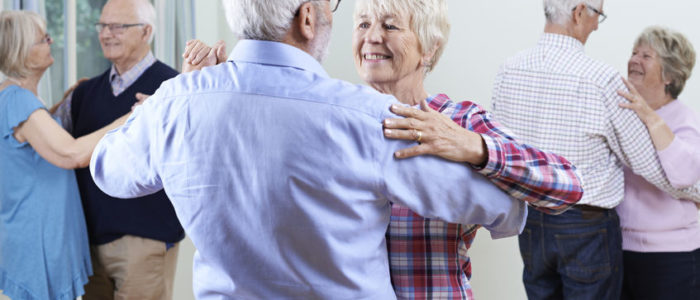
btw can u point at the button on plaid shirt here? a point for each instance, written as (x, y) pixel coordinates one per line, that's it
(428, 258)
(555, 97)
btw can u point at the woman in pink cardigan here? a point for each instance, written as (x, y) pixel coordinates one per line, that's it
(661, 234)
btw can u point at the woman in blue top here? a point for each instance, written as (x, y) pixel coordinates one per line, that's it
(44, 252)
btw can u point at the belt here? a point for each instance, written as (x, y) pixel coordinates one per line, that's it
(589, 208)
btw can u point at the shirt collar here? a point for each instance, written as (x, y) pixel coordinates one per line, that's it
(136, 70)
(276, 54)
(560, 41)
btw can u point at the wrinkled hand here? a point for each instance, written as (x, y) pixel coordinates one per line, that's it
(638, 104)
(198, 55)
(438, 135)
(141, 99)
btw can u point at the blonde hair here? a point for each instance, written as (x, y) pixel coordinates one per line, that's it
(676, 53)
(429, 21)
(18, 31)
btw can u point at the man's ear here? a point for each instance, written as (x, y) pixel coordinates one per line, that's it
(306, 21)
(577, 14)
(147, 31)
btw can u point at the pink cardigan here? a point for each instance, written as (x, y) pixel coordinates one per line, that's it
(651, 220)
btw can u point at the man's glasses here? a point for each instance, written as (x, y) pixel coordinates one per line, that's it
(45, 40)
(115, 28)
(333, 5)
(601, 16)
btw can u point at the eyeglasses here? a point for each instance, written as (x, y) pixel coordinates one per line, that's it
(115, 28)
(601, 16)
(333, 5)
(45, 40)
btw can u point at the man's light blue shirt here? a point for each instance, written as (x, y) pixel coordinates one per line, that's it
(282, 178)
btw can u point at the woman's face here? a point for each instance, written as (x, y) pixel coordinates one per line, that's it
(644, 70)
(40, 53)
(386, 49)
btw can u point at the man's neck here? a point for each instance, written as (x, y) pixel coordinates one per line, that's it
(559, 29)
(126, 64)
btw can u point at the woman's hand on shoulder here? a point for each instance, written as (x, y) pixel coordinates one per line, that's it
(436, 134)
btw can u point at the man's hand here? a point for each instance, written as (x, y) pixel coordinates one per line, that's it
(198, 55)
(141, 99)
(66, 94)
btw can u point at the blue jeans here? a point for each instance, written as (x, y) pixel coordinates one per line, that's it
(574, 255)
(662, 275)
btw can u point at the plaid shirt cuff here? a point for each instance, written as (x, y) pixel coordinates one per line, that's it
(495, 162)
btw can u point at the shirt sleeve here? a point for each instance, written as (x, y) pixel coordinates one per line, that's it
(63, 113)
(123, 164)
(681, 159)
(629, 139)
(18, 106)
(437, 188)
(545, 180)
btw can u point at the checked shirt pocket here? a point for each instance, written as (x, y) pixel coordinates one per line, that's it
(585, 255)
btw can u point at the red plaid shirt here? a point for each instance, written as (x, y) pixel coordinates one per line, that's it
(428, 257)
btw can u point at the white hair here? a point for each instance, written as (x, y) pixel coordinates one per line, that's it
(146, 13)
(429, 21)
(267, 20)
(559, 11)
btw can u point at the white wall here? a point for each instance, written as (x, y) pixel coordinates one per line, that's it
(484, 33)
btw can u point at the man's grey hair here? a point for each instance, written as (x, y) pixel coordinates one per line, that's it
(146, 13)
(559, 11)
(266, 20)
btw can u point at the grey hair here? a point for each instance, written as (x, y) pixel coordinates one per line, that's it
(429, 21)
(267, 20)
(676, 53)
(146, 13)
(18, 31)
(559, 11)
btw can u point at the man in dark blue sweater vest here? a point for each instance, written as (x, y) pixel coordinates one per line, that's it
(134, 242)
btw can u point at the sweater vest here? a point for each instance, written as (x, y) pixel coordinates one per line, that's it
(93, 107)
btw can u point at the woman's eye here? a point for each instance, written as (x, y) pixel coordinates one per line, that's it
(364, 25)
(390, 27)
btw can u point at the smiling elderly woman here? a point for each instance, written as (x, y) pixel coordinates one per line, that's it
(661, 234)
(44, 250)
(396, 43)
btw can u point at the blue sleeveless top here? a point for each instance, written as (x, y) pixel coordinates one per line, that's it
(44, 251)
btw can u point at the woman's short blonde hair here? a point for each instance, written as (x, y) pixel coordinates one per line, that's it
(18, 31)
(428, 18)
(676, 53)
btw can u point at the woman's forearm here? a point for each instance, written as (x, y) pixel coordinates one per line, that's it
(85, 145)
(661, 135)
